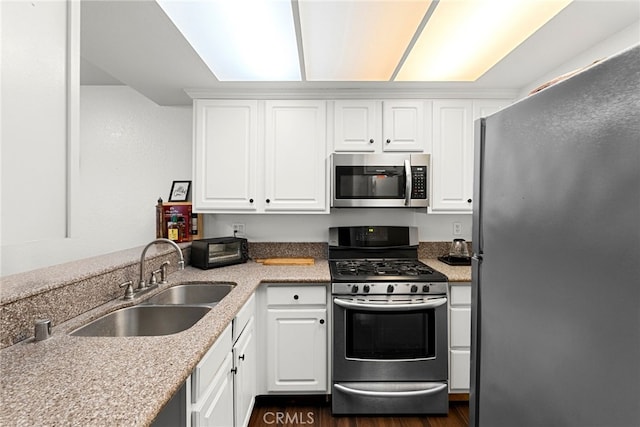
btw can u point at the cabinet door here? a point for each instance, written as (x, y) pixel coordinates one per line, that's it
(452, 157)
(404, 125)
(216, 408)
(295, 156)
(297, 350)
(244, 385)
(459, 370)
(225, 155)
(357, 126)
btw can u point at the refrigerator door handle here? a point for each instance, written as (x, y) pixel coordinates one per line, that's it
(476, 229)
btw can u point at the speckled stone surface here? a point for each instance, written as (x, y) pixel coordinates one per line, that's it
(259, 250)
(126, 381)
(453, 273)
(64, 291)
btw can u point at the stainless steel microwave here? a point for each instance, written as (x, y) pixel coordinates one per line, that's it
(379, 180)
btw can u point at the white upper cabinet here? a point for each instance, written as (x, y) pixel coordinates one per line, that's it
(452, 155)
(377, 126)
(225, 155)
(295, 156)
(260, 156)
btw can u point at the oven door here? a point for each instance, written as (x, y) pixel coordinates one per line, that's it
(398, 339)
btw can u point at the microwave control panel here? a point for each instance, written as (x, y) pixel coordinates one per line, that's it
(419, 182)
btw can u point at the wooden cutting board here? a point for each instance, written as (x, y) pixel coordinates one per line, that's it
(287, 261)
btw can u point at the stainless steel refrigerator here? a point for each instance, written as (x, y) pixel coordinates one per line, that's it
(556, 267)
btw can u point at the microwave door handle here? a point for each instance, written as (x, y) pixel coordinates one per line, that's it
(407, 189)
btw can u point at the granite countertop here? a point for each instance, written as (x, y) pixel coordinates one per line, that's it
(127, 380)
(453, 273)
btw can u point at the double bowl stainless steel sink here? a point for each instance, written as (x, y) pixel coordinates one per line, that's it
(173, 310)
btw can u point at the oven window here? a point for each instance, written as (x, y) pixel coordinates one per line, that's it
(370, 182)
(390, 335)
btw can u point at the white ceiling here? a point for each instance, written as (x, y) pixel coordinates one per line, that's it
(134, 43)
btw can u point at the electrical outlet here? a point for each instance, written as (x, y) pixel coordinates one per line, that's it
(457, 228)
(238, 230)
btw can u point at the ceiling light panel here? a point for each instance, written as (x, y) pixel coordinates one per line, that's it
(240, 40)
(465, 38)
(357, 40)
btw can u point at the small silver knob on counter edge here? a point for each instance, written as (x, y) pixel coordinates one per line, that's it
(42, 329)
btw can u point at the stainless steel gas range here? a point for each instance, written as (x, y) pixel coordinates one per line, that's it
(389, 324)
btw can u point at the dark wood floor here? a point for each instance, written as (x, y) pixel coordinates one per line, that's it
(317, 413)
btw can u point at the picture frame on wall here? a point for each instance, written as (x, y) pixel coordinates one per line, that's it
(180, 191)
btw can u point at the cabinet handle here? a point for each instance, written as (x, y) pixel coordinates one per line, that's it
(388, 141)
(322, 321)
(371, 141)
(250, 200)
(234, 370)
(241, 357)
(296, 297)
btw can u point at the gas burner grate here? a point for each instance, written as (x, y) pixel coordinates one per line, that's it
(382, 268)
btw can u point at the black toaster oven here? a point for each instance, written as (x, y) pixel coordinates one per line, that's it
(218, 252)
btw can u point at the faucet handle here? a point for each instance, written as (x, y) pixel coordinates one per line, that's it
(128, 293)
(154, 280)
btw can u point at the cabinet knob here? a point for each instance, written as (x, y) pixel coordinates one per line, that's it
(468, 200)
(322, 321)
(268, 201)
(296, 297)
(371, 141)
(388, 141)
(250, 200)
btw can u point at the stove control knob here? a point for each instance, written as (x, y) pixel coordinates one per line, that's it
(390, 289)
(425, 288)
(366, 288)
(414, 288)
(354, 289)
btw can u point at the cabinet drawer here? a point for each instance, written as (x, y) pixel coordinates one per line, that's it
(205, 370)
(297, 295)
(460, 295)
(460, 327)
(244, 315)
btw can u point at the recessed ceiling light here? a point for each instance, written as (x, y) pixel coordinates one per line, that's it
(465, 38)
(357, 40)
(243, 40)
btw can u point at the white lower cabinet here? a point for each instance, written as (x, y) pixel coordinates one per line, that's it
(221, 390)
(212, 385)
(296, 338)
(459, 337)
(244, 364)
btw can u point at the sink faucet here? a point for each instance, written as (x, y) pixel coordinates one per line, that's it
(142, 284)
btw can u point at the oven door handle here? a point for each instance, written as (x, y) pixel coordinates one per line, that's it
(370, 393)
(432, 303)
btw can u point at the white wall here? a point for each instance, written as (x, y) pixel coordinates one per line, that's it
(618, 42)
(131, 150)
(313, 228)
